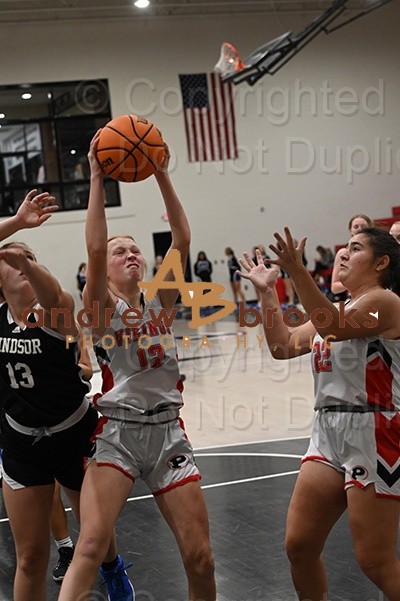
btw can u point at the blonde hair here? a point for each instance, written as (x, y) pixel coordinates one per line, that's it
(121, 236)
(19, 245)
(22, 245)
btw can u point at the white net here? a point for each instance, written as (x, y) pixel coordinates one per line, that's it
(229, 60)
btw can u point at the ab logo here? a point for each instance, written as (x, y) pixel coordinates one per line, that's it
(178, 462)
(193, 294)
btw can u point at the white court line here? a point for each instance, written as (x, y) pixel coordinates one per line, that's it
(248, 455)
(241, 444)
(251, 479)
(220, 484)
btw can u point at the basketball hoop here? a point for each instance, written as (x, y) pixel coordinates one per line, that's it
(229, 60)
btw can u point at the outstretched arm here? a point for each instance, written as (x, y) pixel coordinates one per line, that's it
(96, 288)
(284, 342)
(34, 210)
(180, 228)
(48, 291)
(356, 320)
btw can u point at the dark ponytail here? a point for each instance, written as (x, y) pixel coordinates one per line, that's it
(382, 243)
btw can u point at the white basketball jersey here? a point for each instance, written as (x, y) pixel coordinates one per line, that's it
(141, 380)
(360, 371)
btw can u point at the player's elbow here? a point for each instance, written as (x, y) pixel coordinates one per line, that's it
(185, 238)
(279, 351)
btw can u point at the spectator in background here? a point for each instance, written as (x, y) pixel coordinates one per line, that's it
(291, 297)
(203, 267)
(322, 273)
(323, 259)
(395, 231)
(157, 264)
(234, 278)
(203, 270)
(81, 278)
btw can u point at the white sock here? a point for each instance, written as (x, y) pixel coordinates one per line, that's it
(64, 542)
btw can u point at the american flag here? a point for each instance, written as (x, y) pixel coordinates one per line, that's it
(209, 117)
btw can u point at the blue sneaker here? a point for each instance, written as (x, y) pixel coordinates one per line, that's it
(119, 587)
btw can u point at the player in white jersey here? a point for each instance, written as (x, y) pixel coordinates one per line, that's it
(138, 359)
(142, 434)
(353, 461)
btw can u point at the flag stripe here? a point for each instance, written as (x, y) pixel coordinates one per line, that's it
(187, 117)
(210, 125)
(233, 121)
(203, 141)
(210, 137)
(224, 118)
(217, 121)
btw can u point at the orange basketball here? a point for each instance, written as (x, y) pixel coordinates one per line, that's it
(130, 148)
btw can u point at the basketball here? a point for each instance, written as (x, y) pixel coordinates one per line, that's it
(130, 148)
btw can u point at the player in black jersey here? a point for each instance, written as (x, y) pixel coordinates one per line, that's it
(46, 421)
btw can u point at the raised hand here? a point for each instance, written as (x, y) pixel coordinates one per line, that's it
(262, 278)
(163, 167)
(36, 209)
(94, 164)
(289, 256)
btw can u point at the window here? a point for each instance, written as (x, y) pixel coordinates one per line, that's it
(45, 131)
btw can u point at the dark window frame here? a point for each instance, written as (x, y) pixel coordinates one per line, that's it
(68, 114)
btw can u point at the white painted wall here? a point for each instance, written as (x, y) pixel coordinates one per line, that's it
(241, 203)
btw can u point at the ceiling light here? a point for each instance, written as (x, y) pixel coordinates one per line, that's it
(26, 96)
(142, 3)
(2, 115)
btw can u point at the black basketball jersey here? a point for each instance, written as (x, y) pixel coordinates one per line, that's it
(40, 381)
